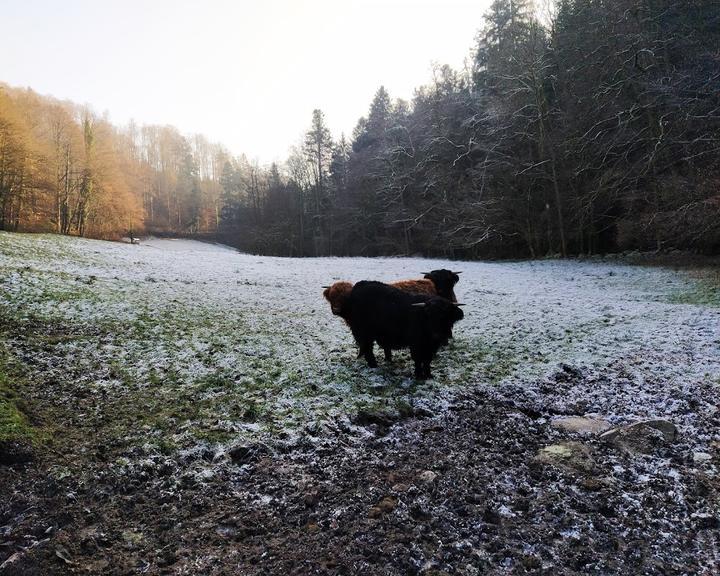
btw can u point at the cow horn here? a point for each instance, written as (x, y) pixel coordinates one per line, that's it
(460, 304)
(460, 272)
(326, 286)
(425, 273)
(419, 304)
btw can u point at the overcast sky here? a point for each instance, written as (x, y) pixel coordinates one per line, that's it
(244, 73)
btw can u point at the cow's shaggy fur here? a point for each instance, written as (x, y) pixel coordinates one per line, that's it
(337, 294)
(395, 319)
(435, 283)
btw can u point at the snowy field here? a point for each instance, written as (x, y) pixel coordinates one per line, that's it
(201, 411)
(243, 344)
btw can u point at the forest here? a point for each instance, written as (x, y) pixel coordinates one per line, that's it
(593, 127)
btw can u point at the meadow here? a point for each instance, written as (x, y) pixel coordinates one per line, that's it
(178, 379)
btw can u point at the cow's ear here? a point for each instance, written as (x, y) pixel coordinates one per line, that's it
(326, 292)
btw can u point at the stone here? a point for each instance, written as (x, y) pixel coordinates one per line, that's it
(311, 498)
(700, 457)
(668, 429)
(226, 530)
(393, 477)
(387, 504)
(581, 425)
(374, 512)
(593, 484)
(556, 451)
(643, 436)
(427, 477)
(570, 455)
(62, 553)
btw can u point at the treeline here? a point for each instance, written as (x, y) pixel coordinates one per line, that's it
(597, 129)
(591, 129)
(65, 169)
(60, 169)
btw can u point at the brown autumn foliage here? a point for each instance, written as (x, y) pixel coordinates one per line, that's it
(59, 169)
(65, 169)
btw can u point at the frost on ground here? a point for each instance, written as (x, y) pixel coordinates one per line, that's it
(201, 411)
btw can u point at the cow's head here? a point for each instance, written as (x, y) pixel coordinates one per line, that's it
(337, 294)
(440, 315)
(444, 281)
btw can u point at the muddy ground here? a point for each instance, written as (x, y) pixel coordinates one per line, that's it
(468, 491)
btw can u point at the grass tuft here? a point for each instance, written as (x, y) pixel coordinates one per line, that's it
(704, 290)
(14, 425)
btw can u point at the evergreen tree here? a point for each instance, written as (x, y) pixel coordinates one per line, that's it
(318, 147)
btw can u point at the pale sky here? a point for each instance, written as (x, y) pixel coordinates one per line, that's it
(244, 73)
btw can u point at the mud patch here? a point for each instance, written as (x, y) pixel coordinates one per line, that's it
(473, 491)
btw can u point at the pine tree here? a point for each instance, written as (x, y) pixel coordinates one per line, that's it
(507, 28)
(318, 150)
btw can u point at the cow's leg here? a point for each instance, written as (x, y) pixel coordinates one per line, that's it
(366, 350)
(426, 367)
(365, 343)
(419, 371)
(422, 358)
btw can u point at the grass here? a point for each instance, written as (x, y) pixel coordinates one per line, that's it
(169, 407)
(704, 289)
(156, 364)
(494, 361)
(14, 424)
(129, 360)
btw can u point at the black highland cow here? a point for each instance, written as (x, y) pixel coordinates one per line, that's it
(377, 312)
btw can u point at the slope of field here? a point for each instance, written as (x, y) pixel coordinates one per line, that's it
(198, 410)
